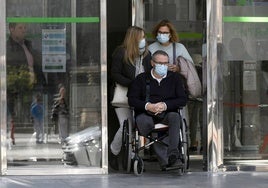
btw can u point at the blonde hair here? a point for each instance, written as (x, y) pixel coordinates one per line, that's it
(173, 33)
(131, 44)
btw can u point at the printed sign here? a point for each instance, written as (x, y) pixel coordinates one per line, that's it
(54, 50)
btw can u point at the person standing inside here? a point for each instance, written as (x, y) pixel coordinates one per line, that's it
(129, 59)
(37, 111)
(63, 119)
(159, 104)
(24, 69)
(167, 39)
(61, 113)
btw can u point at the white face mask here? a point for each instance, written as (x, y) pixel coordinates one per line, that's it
(162, 38)
(161, 69)
(142, 45)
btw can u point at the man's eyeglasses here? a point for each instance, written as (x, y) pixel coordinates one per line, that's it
(162, 63)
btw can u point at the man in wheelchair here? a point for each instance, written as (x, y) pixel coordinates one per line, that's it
(156, 97)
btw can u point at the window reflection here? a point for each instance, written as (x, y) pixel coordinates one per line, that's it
(53, 84)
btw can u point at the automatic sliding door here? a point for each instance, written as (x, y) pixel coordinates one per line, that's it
(245, 81)
(56, 113)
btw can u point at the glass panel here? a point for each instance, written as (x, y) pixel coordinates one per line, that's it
(245, 74)
(53, 83)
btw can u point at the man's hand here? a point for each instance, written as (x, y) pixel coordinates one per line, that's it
(156, 108)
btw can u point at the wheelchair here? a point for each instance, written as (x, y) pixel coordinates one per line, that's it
(131, 146)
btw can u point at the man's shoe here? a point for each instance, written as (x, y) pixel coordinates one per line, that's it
(163, 167)
(172, 160)
(173, 163)
(113, 161)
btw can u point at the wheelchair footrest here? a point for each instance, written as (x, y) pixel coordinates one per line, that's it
(173, 167)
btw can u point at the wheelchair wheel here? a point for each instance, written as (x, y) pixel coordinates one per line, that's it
(126, 146)
(138, 166)
(186, 146)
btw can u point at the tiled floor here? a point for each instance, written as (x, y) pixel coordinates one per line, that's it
(151, 178)
(147, 180)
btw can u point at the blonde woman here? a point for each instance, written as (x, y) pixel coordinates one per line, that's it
(129, 59)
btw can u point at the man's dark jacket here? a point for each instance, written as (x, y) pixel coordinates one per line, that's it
(170, 90)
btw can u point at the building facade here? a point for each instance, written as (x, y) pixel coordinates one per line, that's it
(72, 43)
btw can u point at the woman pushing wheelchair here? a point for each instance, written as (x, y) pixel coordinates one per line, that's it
(129, 59)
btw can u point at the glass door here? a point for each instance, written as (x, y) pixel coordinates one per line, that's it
(56, 87)
(245, 83)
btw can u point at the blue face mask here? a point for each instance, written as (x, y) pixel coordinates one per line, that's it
(142, 45)
(161, 69)
(162, 38)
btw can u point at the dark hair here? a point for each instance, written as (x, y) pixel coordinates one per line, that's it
(12, 25)
(159, 52)
(173, 34)
(38, 97)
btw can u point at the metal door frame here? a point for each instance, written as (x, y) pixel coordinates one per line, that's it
(3, 108)
(213, 95)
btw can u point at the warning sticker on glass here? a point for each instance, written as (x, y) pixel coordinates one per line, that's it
(249, 81)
